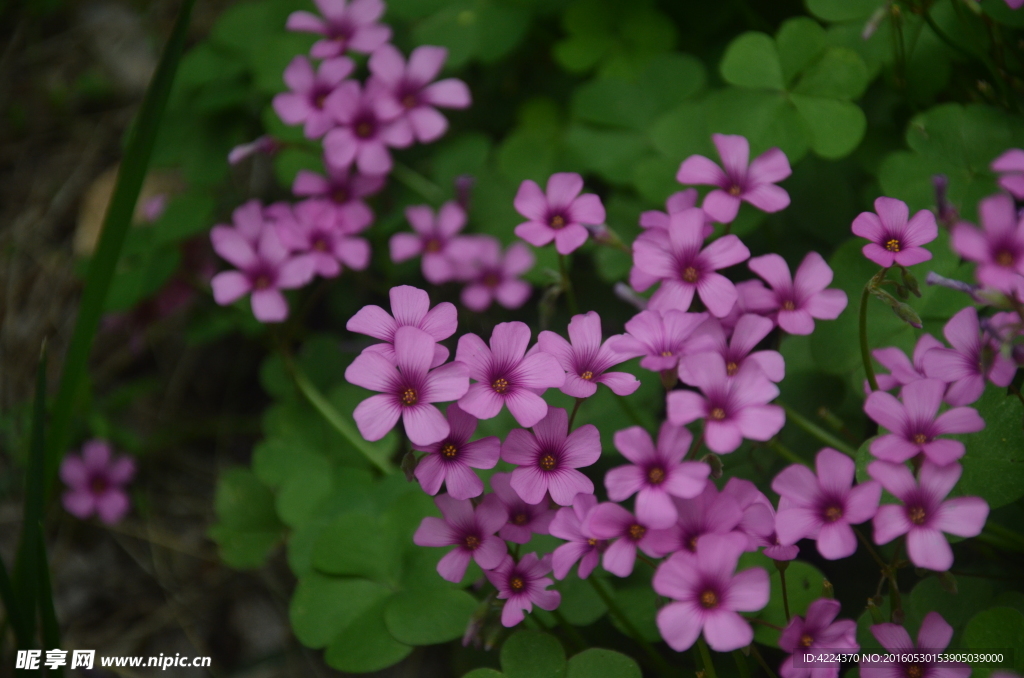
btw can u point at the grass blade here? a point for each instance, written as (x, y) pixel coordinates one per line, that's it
(51, 629)
(138, 151)
(13, 610)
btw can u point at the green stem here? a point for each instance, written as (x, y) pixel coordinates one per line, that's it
(761, 661)
(570, 293)
(630, 412)
(417, 183)
(575, 409)
(871, 550)
(817, 432)
(741, 664)
(865, 350)
(662, 665)
(785, 592)
(705, 657)
(577, 639)
(1006, 534)
(692, 454)
(785, 452)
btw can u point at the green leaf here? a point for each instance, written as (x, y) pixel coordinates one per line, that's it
(999, 628)
(303, 491)
(484, 673)
(186, 215)
(840, 74)
(974, 594)
(836, 126)
(599, 663)
(752, 60)
(612, 154)
(799, 41)
(1003, 13)
(766, 118)
(640, 605)
(247, 526)
(532, 654)
(356, 544)
(365, 645)
(323, 607)
(428, 617)
(994, 462)
(580, 604)
(843, 10)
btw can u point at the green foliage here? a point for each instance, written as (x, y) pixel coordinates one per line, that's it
(994, 462)
(247, 526)
(598, 663)
(531, 654)
(997, 628)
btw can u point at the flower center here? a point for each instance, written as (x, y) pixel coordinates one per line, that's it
(517, 584)
(788, 305)
(500, 385)
(472, 542)
(735, 190)
(409, 101)
(318, 101)
(914, 671)
(320, 245)
(833, 513)
(433, 245)
(449, 451)
(709, 600)
(492, 280)
(731, 368)
(1004, 258)
(588, 375)
(592, 542)
(557, 221)
(98, 485)
(666, 354)
(409, 396)
(637, 531)
(893, 245)
(656, 475)
(690, 274)
(806, 640)
(718, 414)
(916, 515)
(692, 544)
(920, 439)
(520, 519)
(262, 281)
(547, 462)
(340, 196)
(364, 130)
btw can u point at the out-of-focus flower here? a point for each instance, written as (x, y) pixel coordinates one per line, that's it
(432, 237)
(524, 520)
(96, 482)
(492, 275)
(998, 248)
(933, 637)
(661, 337)
(305, 104)
(559, 214)
(735, 350)
(470, 530)
(1010, 165)
(819, 630)
(410, 307)
(973, 358)
(363, 134)
(316, 231)
(344, 25)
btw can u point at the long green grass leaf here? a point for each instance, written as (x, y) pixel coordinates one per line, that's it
(11, 607)
(51, 629)
(137, 154)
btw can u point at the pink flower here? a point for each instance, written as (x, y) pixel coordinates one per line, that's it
(902, 370)
(972, 359)
(799, 300)
(732, 409)
(611, 521)
(431, 239)
(452, 459)
(247, 220)
(505, 375)
(914, 427)
(523, 585)
(304, 104)
(998, 248)
(264, 144)
(677, 202)
(586, 360)
(758, 519)
(751, 297)
(684, 268)
(708, 593)
(408, 91)
(1011, 163)
(492, 275)
(818, 631)
(894, 240)
(933, 637)
(364, 134)
(924, 516)
(470, 530)
(524, 520)
(407, 389)
(345, 26)
(344, 189)
(657, 473)
(316, 231)
(659, 336)
(96, 482)
(750, 330)
(411, 307)
(549, 456)
(265, 267)
(823, 507)
(570, 524)
(710, 512)
(559, 214)
(753, 183)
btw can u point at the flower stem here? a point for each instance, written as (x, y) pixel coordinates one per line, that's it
(418, 183)
(871, 550)
(741, 664)
(574, 636)
(570, 293)
(761, 661)
(575, 409)
(816, 431)
(705, 657)
(662, 665)
(785, 452)
(865, 350)
(781, 567)
(696, 444)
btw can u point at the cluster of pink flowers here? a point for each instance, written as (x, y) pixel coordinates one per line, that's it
(283, 246)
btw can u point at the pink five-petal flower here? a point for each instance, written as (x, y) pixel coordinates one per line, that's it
(586, 360)
(933, 637)
(612, 522)
(894, 239)
(570, 524)
(708, 594)
(901, 370)
(549, 456)
(998, 248)
(431, 238)
(800, 299)
(823, 507)
(410, 306)
(914, 427)
(407, 389)
(265, 267)
(684, 268)
(924, 516)
(96, 482)
(305, 103)
(657, 473)
(344, 25)
(408, 91)
(710, 512)
(470, 530)
(363, 135)
(559, 214)
(736, 350)
(677, 202)
(523, 585)
(344, 189)
(659, 336)
(753, 183)
(524, 520)
(732, 409)
(316, 230)
(490, 274)
(505, 375)
(1010, 165)
(973, 358)
(453, 459)
(819, 631)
